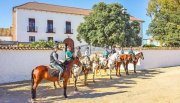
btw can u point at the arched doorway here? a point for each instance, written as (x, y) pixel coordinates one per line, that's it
(69, 42)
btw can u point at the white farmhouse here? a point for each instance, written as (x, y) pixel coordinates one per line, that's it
(35, 21)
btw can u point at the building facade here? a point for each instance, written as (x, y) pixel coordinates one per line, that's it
(35, 21)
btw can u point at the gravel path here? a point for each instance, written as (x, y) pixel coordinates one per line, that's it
(160, 85)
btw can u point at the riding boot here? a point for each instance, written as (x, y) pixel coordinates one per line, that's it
(60, 78)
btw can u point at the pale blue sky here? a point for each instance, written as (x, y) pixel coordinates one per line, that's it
(136, 8)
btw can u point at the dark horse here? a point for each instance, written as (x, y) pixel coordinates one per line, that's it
(125, 59)
(136, 58)
(41, 73)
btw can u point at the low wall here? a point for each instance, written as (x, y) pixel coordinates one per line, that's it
(16, 65)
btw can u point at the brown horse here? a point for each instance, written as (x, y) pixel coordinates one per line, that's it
(86, 67)
(41, 72)
(125, 59)
(136, 58)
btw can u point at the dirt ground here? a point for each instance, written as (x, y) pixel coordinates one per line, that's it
(160, 85)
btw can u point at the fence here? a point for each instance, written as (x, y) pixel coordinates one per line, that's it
(17, 64)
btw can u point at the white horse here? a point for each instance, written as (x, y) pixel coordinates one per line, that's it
(95, 64)
(112, 62)
(76, 71)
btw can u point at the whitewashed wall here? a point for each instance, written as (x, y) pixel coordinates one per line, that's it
(16, 65)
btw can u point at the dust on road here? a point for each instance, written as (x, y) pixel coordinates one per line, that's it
(160, 85)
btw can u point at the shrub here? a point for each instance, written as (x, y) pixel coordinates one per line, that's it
(39, 44)
(20, 45)
(149, 45)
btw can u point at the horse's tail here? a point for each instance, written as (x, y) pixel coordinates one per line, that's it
(33, 91)
(32, 79)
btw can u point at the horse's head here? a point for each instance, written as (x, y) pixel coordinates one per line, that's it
(95, 58)
(86, 62)
(75, 60)
(140, 55)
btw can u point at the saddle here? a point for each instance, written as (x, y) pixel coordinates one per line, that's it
(53, 72)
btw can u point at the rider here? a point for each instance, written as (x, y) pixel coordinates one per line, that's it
(113, 50)
(106, 53)
(130, 51)
(87, 52)
(55, 63)
(68, 54)
(121, 51)
(78, 52)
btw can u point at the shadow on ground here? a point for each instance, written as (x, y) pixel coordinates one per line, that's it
(20, 91)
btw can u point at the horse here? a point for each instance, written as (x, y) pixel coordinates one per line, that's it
(136, 58)
(95, 65)
(76, 70)
(118, 65)
(41, 73)
(86, 67)
(112, 62)
(124, 59)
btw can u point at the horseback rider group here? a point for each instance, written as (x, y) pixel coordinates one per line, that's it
(59, 65)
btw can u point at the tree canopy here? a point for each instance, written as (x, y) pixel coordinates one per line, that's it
(108, 25)
(165, 24)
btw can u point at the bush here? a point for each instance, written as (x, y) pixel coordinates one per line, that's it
(149, 45)
(20, 45)
(39, 44)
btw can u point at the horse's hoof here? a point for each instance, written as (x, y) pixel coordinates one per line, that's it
(66, 97)
(94, 81)
(110, 78)
(76, 89)
(33, 100)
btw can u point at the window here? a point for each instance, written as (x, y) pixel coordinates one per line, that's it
(68, 27)
(50, 38)
(50, 26)
(31, 27)
(31, 38)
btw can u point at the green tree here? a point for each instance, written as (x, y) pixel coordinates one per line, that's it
(107, 25)
(165, 24)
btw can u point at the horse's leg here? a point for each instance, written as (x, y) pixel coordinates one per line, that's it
(35, 81)
(127, 69)
(58, 83)
(65, 87)
(54, 85)
(94, 73)
(85, 77)
(124, 65)
(110, 70)
(119, 67)
(34, 87)
(134, 67)
(116, 67)
(75, 81)
(99, 68)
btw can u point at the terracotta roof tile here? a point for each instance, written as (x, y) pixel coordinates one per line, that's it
(135, 19)
(59, 9)
(53, 8)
